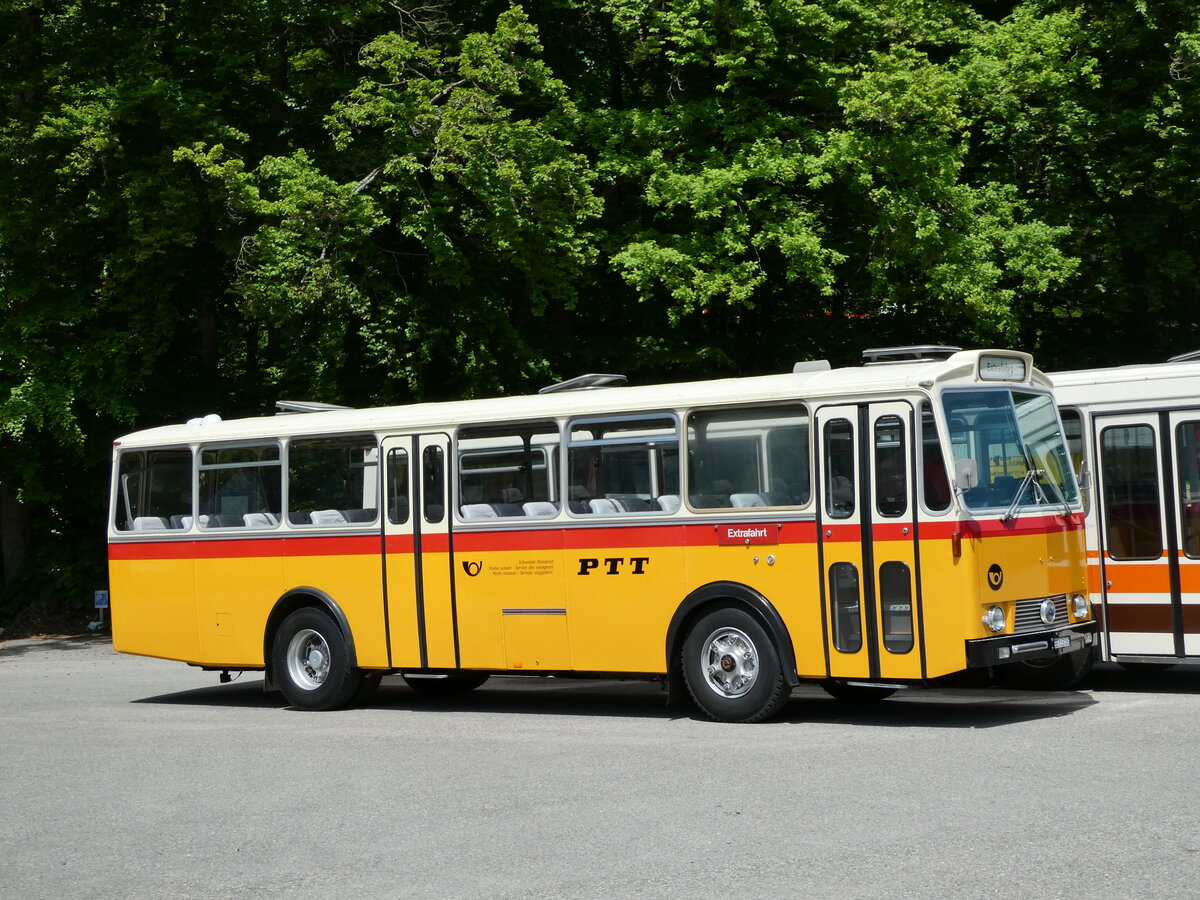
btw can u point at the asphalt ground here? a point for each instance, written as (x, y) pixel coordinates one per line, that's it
(130, 777)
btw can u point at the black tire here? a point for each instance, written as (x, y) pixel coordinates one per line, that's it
(732, 668)
(1048, 675)
(443, 685)
(856, 693)
(311, 662)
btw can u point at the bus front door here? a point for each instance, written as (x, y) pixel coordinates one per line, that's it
(867, 534)
(418, 553)
(1149, 549)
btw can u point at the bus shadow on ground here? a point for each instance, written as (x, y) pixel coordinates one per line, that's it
(247, 694)
(957, 708)
(982, 707)
(1143, 678)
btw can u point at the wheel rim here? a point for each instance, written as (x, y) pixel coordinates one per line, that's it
(308, 659)
(729, 661)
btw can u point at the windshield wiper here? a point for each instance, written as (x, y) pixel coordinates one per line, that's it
(1061, 497)
(1030, 474)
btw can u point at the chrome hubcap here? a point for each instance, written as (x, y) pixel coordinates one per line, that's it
(730, 662)
(308, 659)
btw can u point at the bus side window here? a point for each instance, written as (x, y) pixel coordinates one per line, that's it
(623, 465)
(240, 487)
(1073, 434)
(507, 470)
(154, 490)
(935, 481)
(748, 458)
(332, 481)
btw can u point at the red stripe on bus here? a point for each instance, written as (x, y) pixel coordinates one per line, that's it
(248, 548)
(892, 531)
(554, 538)
(1022, 526)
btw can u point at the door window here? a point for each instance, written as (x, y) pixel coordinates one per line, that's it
(891, 481)
(839, 469)
(397, 474)
(844, 596)
(1188, 441)
(1129, 462)
(433, 493)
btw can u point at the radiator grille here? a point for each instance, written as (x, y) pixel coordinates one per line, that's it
(1029, 614)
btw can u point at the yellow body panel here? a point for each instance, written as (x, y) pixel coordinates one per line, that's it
(153, 605)
(439, 617)
(550, 600)
(403, 630)
(233, 599)
(610, 588)
(354, 584)
(495, 592)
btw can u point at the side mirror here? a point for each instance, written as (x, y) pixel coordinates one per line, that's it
(966, 474)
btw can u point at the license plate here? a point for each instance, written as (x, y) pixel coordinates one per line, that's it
(1061, 642)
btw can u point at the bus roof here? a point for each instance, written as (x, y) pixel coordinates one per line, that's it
(1144, 384)
(810, 384)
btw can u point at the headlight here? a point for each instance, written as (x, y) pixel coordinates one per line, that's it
(994, 619)
(1080, 607)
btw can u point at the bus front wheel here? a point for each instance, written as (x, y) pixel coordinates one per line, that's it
(732, 669)
(312, 662)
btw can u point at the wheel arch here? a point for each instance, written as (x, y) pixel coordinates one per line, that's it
(302, 598)
(711, 596)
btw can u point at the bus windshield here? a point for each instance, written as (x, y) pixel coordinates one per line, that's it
(1008, 449)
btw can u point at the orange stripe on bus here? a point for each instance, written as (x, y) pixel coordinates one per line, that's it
(1144, 578)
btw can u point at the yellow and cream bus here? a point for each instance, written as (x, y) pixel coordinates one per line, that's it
(1134, 432)
(866, 528)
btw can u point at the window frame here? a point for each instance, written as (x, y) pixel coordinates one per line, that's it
(200, 467)
(347, 436)
(763, 453)
(569, 443)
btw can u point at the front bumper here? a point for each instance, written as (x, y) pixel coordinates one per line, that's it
(1032, 645)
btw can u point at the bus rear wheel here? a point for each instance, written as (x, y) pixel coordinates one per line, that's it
(732, 669)
(1057, 674)
(312, 662)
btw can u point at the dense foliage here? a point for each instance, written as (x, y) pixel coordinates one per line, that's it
(208, 206)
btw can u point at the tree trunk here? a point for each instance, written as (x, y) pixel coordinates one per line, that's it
(14, 537)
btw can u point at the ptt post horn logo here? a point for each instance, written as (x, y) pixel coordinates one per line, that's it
(472, 568)
(995, 577)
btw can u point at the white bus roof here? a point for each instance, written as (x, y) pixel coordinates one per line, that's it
(1151, 384)
(811, 384)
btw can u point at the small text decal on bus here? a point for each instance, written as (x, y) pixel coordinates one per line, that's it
(615, 565)
(747, 534)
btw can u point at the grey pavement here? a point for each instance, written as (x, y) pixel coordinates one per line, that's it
(131, 777)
